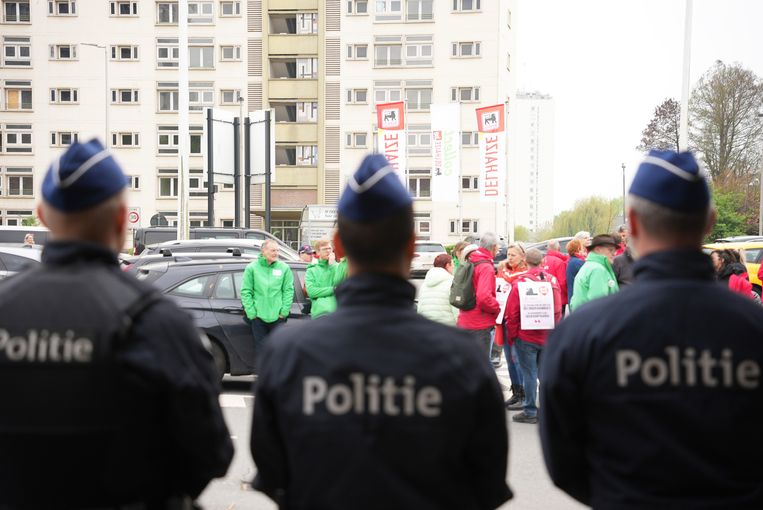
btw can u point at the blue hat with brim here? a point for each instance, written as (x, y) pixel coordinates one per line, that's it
(673, 180)
(374, 192)
(83, 177)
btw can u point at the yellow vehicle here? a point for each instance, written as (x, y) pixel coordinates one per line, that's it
(753, 253)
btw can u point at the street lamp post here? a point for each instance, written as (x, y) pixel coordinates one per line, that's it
(760, 205)
(624, 220)
(106, 89)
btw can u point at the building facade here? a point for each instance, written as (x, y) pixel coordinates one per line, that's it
(424, 52)
(73, 70)
(531, 149)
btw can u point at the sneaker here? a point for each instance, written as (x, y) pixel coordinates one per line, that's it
(516, 406)
(524, 418)
(496, 362)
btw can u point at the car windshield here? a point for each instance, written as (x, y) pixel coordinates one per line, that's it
(430, 248)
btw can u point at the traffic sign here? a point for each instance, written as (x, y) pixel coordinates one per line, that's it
(133, 215)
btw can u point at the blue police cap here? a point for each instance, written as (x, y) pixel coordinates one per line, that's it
(374, 192)
(84, 176)
(673, 180)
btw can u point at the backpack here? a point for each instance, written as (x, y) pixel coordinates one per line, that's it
(462, 293)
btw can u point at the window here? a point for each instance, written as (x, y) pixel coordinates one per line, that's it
(420, 182)
(470, 183)
(387, 93)
(299, 111)
(124, 96)
(194, 288)
(465, 49)
(17, 139)
(464, 94)
(124, 8)
(294, 68)
(200, 12)
(64, 96)
(307, 22)
(20, 185)
(356, 140)
(388, 51)
(201, 94)
(168, 140)
(167, 52)
(307, 111)
(466, 5)
(230, 53)
(201, 53)
(168, 183)
(196, 182)
(16, 11)
(419, 10)
(419, 139)
(357, 52)
(418, 99)
(63, 51)
(389, 10)
(357, 96)
(357, 6)
(230, 8)
(227, 224)
(133, 182)
(194, 146)
(167, 13)
(62, 8)
(62, 138)
(388, 55)
(468, 226)
(294, 23)
(127, 140)
(124, 53)
(224, 288)
(418, 50)
(422, 224)
(299, 155)
(229, 96)
(470, 138)
(17, 51)
(18, 95)
(168, 96)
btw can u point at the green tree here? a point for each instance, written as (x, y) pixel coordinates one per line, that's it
(662, 131)
(521, 233)
(730, 222)
(596, 215)
(30, 222)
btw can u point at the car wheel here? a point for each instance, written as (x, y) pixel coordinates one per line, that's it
(221, 361)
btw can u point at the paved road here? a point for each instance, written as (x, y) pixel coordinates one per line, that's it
(527, 473)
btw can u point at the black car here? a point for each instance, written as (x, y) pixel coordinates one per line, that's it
(209, 290)
(252, 246)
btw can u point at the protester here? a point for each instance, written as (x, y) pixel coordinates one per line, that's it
(267, 293)
(306, 254)
(319, 280)
(529, 342)
(578, 253)
(434, 294)
(596, 278)
(513, 268)
(555, 263)
(651, 398)
(585, 237)
(730, 270)
(457, 252)
(481, 319)
(622, 265)
(622, 238)
(375, 406)
(110, 396)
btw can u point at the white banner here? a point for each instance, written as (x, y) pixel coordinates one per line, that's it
(536, 305)
(502, 291)
(391, 142)
(492, 134)
(223, 148)
(446, 151)
(257, 146)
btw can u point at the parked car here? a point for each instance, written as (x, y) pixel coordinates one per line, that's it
(167, 255)
(143, 237)
(740, 239)
(15, 235)
(753, 255)
(543, 245)
(424, 255)
(209, 290)
(14, 260)
(250, 246)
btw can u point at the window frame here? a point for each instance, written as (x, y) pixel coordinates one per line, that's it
(420, 175)
(55, 96)
(235, 48)
(115, 8)
(19, 16)
(22, 179)
(54, 8)
(54, 52)
(174, 13)
(352, 7)
(55, 138)
(115, 52)
(352, 96)
(117, 96)
(236, 11)
(236, 96)
(17, 43)
(21, 90)
(457, 49)
(118, 139)
(351, 139)
(456, 94)
(352, 51)
(458, 6)
(200, 17)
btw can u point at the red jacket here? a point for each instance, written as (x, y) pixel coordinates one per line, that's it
(556, 264)
(484, 314)
(535, 336)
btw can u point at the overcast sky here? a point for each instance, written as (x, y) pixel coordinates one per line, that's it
(608, 64)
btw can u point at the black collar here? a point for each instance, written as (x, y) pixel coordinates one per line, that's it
(674, 264)
(73, 252)
(375, 289)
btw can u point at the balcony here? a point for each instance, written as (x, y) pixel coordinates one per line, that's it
(293, 5)
(300, 133)
(290, 89)
(284, 44)
(296, 176)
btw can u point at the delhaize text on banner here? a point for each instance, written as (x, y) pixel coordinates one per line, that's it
(446, 151)
(492, 133)
(390, 119)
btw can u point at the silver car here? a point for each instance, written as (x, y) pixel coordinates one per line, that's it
(15, 259)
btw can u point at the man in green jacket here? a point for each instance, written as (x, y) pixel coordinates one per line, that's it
(267, 292)
(596, 277)
(319, 280)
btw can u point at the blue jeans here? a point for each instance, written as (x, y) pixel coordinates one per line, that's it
(260, 330)
(529, 354)
(510, 352)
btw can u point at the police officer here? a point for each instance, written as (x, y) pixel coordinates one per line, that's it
(109, 397)
(374, 406)
(651, 398)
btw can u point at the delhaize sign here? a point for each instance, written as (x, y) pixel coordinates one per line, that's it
(390, 119)
(492, 134)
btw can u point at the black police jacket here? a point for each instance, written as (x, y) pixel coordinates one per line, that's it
(97, 410)
(376, 407)
(651, 398)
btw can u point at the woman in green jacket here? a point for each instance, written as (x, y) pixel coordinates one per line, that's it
(596, 277)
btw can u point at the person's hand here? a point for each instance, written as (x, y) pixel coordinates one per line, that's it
(332, 258)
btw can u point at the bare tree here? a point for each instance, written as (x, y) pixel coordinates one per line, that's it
(725, 128)
(662, 131)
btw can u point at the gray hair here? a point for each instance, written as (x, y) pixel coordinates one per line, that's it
(268, 242)
(667, 224)
(488, 241)
(553, 245)
(534, 257)
(582, 235)
(622, 228)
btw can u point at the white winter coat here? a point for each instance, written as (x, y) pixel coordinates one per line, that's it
(434, 297)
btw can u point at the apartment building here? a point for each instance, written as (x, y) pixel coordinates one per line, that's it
(294, 68)
(74, 69)
(424, 52)
(531, 149)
